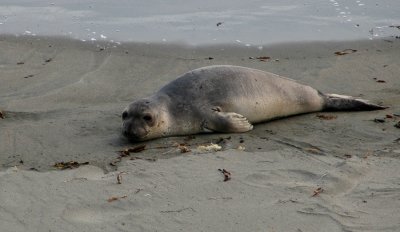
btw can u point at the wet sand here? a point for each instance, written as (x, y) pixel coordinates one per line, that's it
(62, 99)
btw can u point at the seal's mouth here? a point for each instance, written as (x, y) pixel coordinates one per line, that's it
(132, 136)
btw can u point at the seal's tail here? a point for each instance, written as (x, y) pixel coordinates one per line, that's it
(336, 102)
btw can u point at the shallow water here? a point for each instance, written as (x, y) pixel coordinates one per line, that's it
(250, 23)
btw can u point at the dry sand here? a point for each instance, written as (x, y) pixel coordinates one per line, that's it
(61, 101)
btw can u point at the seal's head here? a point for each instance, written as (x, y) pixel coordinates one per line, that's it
(144, 119)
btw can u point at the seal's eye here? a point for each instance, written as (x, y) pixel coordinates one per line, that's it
(147, 118)
(124, 115)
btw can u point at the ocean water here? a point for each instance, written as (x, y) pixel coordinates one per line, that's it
(244, 22)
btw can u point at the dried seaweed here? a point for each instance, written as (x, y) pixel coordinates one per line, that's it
(227, 175)
(111, 199)
(345, 52)
(128, 151)
(317, 191)
(69, 165)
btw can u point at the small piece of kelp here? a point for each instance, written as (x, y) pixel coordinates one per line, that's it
(69, 165)
(345, 52)
(111, 199)
(317, 191)
(129, 150)
(227, 175)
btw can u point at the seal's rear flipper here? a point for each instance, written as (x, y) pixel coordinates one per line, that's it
(336, 102)
(228, 122)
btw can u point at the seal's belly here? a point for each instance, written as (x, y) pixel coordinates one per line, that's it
(266, 106)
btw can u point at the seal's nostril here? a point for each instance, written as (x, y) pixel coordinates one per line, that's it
(124, 115)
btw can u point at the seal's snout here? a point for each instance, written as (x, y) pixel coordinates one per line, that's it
(125, 132)
(133, 133)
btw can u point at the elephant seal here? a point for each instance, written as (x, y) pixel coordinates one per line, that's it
(226, 99)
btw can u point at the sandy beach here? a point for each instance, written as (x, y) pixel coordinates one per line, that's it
(61, 100)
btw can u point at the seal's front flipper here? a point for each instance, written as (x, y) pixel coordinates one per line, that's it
(228, 122)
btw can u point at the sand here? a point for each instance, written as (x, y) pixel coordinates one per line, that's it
(62, 99)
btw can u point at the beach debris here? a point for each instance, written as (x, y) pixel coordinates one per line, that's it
(379, 80)
(379, 120)
(270, 132)
(209, 148)
(326, 116)
(177, 211)
(227, 175)
(136, 149)
(209, 58)
(48, 60)
(347, 156)
(345, 52)
(395, 26)
(138, 190)
(30, 75)
(183, 148)
(219, 24)
(397, 125)
(1, 114)
(111, 199)
(119, 178)
(189, 137)
(241, 148)
(20, 63)
(69, 165)
(313, 150)
(317, 191)
(260, 58)
(220, 139)
(140, 158)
